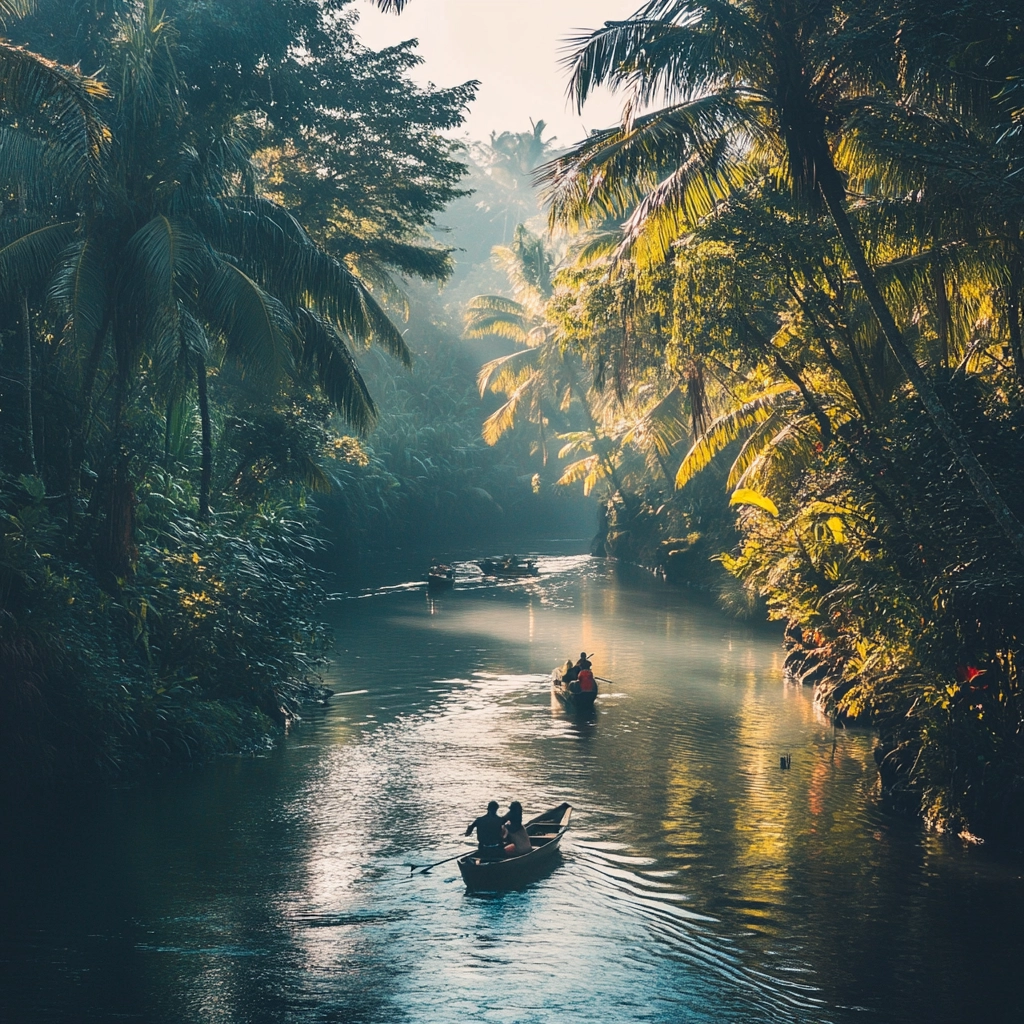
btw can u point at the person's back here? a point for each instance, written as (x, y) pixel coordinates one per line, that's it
(518, 840)
(488, 832)
(586, 681)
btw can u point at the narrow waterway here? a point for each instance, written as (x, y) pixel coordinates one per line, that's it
(698, 883)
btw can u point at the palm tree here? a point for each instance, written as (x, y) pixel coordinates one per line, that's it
(747, 83)
(38, 91)
(168, 259)
(534, 379)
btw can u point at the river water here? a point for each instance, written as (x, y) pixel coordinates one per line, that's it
(698, 883)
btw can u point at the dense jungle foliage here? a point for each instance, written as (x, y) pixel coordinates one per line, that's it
(209, 212)
(792, 277)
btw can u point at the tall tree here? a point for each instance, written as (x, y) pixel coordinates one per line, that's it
(744, 80)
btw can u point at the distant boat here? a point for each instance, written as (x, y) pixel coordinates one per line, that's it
(509, 565)
(571, 699)
(545, 832)
(440, 577)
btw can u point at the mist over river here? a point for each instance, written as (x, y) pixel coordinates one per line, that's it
(698, 882)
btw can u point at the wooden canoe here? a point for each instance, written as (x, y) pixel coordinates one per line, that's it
(500, 567)
(575, 701)
(441, 577)
(545, 831)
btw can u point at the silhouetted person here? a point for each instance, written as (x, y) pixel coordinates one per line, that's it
(516, 838)
(488, 833)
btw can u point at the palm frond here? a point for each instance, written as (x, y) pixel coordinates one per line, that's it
(677, 204)
(34, 167)
(605, 176)
(666, 48)
(589, 469)
(727, 428)
(504, 418)
(31, 84)
(491, 374)
(275, 250)
(256, 325)
(29, 260)
(337, 374)
(80, 291)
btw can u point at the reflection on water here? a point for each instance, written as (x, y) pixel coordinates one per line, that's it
(698, 882)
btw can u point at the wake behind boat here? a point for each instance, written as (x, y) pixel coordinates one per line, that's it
(545, 832)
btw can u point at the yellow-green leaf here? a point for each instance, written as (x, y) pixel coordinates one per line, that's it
(745, 496)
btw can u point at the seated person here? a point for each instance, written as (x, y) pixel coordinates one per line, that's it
(583, 663)
(567, 671)
(488, 833)
(516, 837)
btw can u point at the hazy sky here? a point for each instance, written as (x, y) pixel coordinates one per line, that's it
(512, 46)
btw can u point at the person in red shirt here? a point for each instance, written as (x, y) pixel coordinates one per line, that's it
(579, 670)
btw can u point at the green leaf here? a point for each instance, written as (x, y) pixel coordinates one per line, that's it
(34, 486)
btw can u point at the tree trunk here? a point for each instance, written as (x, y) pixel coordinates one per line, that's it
(791, 374)
(206, 473)
(1013, 318)
(30, 431)
(943, 320)
(834, 194)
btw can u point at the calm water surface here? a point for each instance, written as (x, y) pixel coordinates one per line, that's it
(698, 883)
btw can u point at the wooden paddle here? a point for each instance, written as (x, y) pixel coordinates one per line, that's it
(413, 870)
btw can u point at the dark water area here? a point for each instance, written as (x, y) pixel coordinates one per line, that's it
(698, 882)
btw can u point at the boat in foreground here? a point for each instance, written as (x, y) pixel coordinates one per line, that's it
(545, 832)
(509, 566)
(570, 698)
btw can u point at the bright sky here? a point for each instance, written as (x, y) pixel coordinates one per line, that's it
(512, 46)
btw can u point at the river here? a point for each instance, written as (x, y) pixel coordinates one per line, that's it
(699, 882)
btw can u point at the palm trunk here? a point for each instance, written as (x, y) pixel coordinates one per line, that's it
(834, 194)
(26, 327)
(791, 374)
(167, 434)
(206, 473)
(30, 431)
(1013, 318)
(602, 454)
(943, 319)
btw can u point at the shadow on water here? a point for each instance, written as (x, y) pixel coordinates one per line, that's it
(698, 882)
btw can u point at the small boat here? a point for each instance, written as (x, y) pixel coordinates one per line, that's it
(440, 577)
(545, 831)
(576, 701)
(509, 566)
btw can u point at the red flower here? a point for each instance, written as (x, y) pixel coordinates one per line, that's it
(968, 673)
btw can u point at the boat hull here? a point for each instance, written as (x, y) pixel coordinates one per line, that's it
(545, 831)
(489, 567)
(572, 701)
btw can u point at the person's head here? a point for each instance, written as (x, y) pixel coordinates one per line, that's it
(492, 807)
(515, 812)
(583, 655)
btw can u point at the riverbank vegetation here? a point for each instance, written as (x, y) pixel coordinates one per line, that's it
(204, 219)
(794, 271)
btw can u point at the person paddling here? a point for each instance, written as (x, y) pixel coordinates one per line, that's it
(577, 675)
(488, 833)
